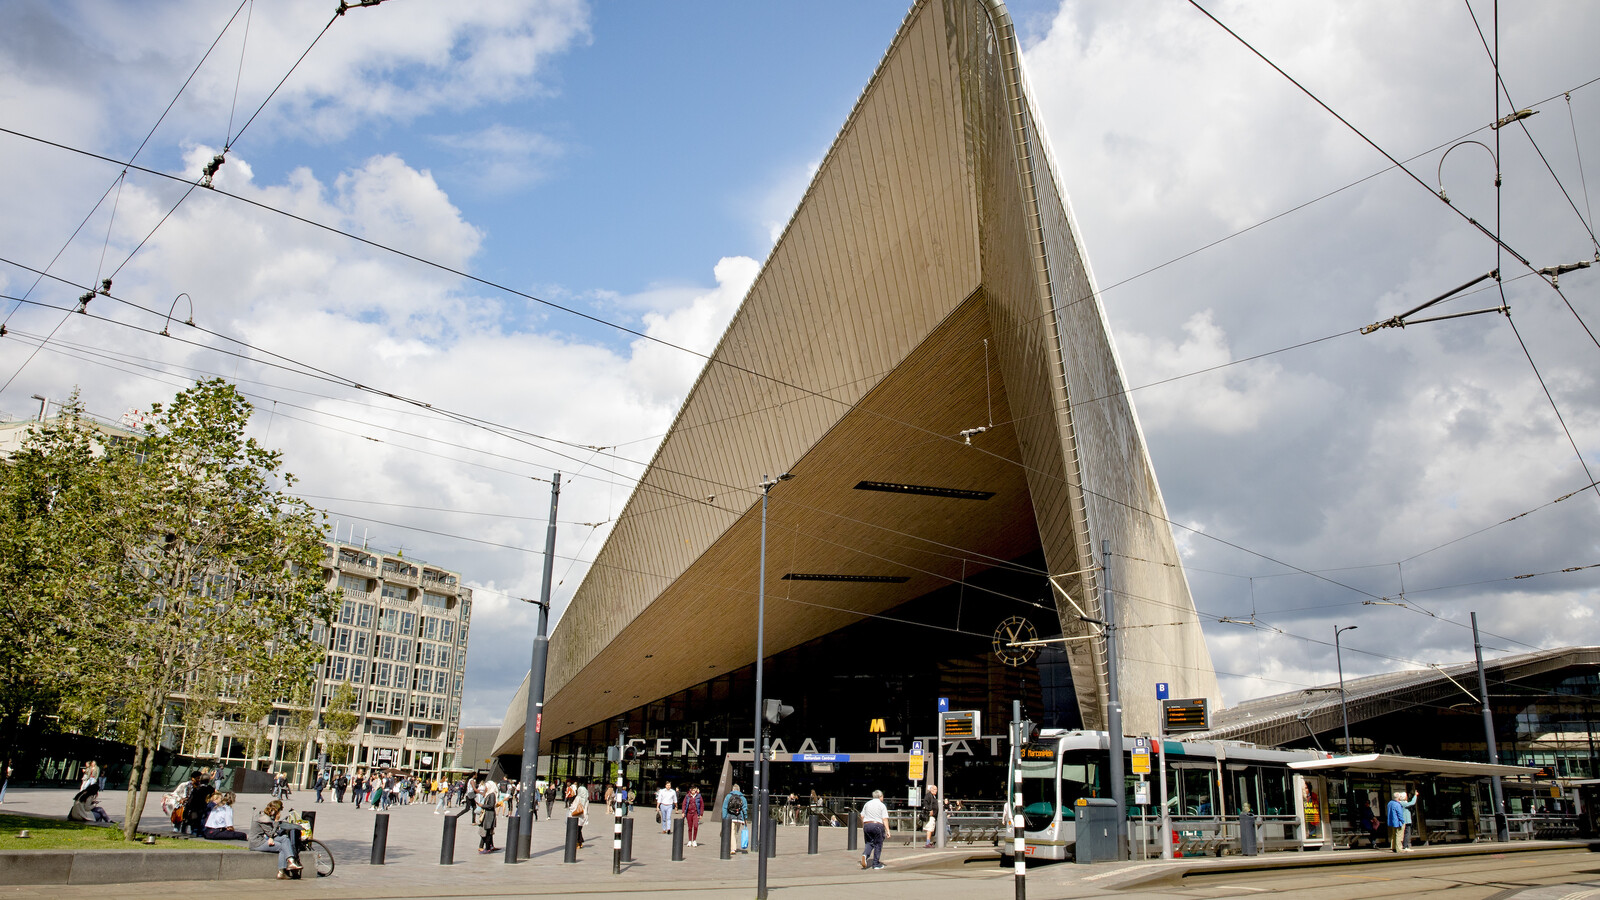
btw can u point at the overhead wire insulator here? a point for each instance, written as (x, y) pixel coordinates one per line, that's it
(1517, 116)
(210, 171)
(83, 301)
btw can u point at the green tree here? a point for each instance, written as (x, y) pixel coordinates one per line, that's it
(219, 579)
(56, 639)
(340, 721)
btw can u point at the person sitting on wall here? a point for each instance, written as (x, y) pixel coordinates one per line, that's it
(268, 835)
(86, 806)
(219, 823)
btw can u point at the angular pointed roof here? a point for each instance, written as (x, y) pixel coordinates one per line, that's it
(930, 282)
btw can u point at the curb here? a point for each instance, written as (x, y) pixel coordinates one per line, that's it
(130, 866)
(1174, 876)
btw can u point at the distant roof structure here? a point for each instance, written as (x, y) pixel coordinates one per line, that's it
(925, 350)
(1284, 718)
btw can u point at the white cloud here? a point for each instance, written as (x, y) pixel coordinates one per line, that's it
(1357, 451)
(667, 374)
(502, 158)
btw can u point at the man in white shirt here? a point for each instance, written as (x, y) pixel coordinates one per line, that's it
(875, 826)
(666, 800)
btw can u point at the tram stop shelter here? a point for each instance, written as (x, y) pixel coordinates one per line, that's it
(1348, 795)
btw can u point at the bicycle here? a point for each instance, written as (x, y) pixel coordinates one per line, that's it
(313, 854)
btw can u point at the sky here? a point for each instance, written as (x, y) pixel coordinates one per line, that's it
(635, 162)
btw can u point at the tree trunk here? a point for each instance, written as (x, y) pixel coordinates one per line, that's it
(144, 757)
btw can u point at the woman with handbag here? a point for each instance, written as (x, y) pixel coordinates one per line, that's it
(487, 822)
(580, 810)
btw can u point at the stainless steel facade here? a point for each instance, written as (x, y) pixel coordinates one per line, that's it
(931, 281)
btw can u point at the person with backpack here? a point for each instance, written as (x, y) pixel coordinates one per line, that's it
(736, 809)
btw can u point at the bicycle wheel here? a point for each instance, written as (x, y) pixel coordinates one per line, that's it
(321, 859)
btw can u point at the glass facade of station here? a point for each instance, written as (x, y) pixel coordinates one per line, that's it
(893, 667)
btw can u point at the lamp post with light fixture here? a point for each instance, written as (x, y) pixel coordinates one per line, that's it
(533, 713)
(758, 830)
(1344, 708)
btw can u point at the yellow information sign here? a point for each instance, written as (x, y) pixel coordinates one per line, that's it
(917, 763)
(1141, 764)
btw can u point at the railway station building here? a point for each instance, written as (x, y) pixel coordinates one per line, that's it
(926, 353)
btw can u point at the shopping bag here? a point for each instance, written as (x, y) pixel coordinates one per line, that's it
(744, 839)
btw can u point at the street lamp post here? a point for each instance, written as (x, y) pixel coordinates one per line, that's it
(533, 713)
(1344, 708)
(759, 825)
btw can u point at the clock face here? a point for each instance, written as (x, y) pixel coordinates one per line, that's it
(1011, 631)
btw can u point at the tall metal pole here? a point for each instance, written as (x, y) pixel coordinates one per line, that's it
(533, 715)
(1161, 762)
(1500, 830)
(1119, 790)
(758, 828)
(1344, 710)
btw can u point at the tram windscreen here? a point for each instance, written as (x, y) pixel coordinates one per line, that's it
(1039, 793)
(1038, 768)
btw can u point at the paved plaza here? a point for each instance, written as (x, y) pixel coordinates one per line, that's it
(412, 858)
(960, 873)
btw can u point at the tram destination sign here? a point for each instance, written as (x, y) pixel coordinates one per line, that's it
(1184, 715)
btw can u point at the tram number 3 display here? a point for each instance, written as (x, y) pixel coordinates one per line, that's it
(1184, 715)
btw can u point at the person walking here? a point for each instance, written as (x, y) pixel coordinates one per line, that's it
(322, 784)
(666, 801)
(91, 775)
(875, 826)
(5, 780)
(736, 809)
(340, 786)
(486, 822)
(549, 799)
(694, 806)
(579, 809)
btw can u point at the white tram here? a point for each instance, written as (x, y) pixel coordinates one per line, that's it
(1301, 799)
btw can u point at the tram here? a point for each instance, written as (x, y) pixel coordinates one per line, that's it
(1301, 799)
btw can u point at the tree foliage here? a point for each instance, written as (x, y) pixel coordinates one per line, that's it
(220, 575)
(339, 723)
(57, 638)
(154, 587)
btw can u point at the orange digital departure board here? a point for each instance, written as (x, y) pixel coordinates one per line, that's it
(1184, 715)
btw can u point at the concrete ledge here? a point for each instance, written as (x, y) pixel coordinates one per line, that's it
(130, 866)
(1173, 874)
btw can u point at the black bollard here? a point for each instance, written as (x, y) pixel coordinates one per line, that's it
(380, 837)
(571, 853)
(627, 839)
(447, 844)
(855, 832)
(769, 842)
(811, 838)
(513, 825)
(726, 849)
(677, 840)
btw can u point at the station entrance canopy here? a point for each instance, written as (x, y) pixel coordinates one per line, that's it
(930, 283)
